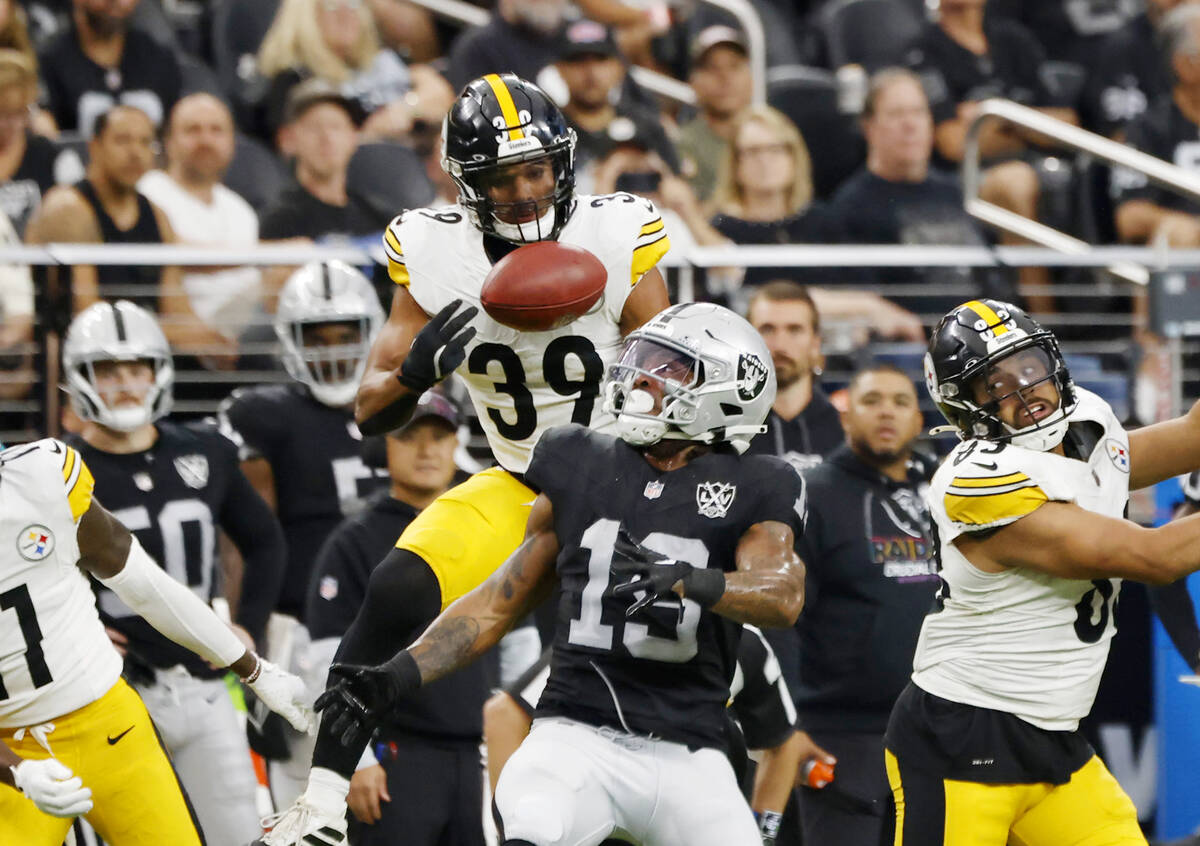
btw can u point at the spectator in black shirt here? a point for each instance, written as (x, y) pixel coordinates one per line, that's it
(802, 426)
(593, 69)
(1127, 72)
(1068, 31)
(1170, 130)
(101, 61)
(30, 164)
(427, 782)
(964, 58)
(522, 37)
(764, 192)
(898, 199)
(871, 577)
(320, 136)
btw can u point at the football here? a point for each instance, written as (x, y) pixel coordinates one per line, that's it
(542, 286)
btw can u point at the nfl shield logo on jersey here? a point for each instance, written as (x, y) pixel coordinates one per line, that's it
(35, 542)
(1118, 453)
(714, 498)
(193, 469)
(653, 489)
(328, 588)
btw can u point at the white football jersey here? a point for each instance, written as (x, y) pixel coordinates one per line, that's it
(1021, 641)
(522, 383)
(54, 654)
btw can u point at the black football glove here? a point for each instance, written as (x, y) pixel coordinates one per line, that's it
(645, 571)
(357, 697)
(439, 348)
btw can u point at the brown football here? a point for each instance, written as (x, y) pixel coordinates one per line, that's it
(542, 286)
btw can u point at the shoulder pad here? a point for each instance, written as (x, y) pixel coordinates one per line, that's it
(984, 485)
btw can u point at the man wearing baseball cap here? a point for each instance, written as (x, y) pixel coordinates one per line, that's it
(593, 69)
(408, 785)
(720, 75)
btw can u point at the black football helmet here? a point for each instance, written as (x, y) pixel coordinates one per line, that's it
(967, 344)
(497, 121)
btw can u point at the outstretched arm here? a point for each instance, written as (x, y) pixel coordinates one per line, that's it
(357, 696)
(1163, 450)
(475, 623)
(113, 555)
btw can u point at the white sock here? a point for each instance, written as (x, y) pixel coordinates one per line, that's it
(327, 790)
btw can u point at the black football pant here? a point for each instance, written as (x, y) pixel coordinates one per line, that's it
(437, 797)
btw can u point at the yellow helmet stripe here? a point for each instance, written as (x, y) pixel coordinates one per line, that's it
(990, 317)
(507, 107)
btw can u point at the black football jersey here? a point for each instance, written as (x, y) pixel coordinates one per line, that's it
(173, 497)
(665, 672)
(315, 453)
(1165, 132)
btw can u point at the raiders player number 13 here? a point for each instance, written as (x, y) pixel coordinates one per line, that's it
(509, 150)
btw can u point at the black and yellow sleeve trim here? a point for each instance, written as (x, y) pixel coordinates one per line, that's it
(397, 268)
(648, 254)
(653, 226)
(992, 500)
(78, 481)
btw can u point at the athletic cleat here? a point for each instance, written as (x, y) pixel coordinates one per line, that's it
(303, 824)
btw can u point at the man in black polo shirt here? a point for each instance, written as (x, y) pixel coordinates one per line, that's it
(320, 135)
(802, 426)
(1170, 129)
(871, 577)
(425, 777)
(100, 61)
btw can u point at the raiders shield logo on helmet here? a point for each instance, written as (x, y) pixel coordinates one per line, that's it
(752, 376)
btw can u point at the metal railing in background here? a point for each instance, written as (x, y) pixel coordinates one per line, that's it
(1072, 137)
(1108, 352)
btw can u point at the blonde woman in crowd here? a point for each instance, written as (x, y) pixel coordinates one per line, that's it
(764, 191)
(337, 40)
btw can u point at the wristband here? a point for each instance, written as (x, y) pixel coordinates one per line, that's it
(768, 824)
(405, 673)
(704, 586)
(255, 673)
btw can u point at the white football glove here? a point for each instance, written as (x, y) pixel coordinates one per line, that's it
(50, 784)
(283, 693)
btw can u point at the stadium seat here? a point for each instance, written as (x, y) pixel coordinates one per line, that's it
(256, 172)
(238, 27)
(871, 33)
(809, 97)
(389, 176)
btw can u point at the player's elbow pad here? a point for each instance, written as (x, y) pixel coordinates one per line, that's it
(173, 609)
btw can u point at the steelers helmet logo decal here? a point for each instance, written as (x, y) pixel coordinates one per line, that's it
(35, 542)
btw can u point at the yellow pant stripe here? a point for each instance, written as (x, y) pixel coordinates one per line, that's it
(893, 775)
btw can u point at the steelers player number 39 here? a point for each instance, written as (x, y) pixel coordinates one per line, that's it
(559, 352)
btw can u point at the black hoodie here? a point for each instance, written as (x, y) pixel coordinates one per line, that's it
(872, 574)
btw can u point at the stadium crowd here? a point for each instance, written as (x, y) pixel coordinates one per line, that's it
(231, 123)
